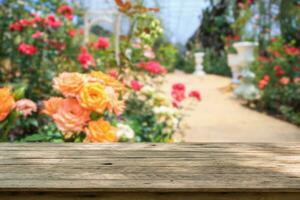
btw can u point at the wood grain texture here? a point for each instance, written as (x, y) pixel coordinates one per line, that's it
(147, 196)
(196, 168)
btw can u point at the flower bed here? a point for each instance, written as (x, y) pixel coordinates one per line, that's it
(278, 78)
(55, 88)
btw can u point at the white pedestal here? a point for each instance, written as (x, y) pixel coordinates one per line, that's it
(234, 64)
(199, 67)
(245, 56)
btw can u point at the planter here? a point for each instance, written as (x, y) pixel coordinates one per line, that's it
(245, 51)
(234, 64)
(199, 67)
(245, 56)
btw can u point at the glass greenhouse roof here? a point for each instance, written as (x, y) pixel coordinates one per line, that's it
(180, 18)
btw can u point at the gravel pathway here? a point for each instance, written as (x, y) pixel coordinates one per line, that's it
(221, 118)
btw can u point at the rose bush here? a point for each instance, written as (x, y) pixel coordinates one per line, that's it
(82, 93)
(36, 43)
(278, 78)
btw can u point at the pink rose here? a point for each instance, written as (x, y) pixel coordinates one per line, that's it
(37, 35)
(27, 49)
(26, 107)
(284, 80)
(136, 85)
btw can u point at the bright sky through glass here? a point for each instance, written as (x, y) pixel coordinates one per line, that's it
(180, 17)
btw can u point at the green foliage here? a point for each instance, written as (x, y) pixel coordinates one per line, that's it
(289, 20)
(147, 27)
(7, 125)
(46, 133)
(166, 55)
(216, 63)
(186, 63)
(142, 120)
(214, 28)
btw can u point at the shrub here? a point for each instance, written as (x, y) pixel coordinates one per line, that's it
(278, 78)
(186, 62)
(214, 65)
(166, 54)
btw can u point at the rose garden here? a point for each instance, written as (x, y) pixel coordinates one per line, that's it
(119, 71)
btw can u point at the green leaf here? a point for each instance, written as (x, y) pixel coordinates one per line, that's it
(36, 138)
(19, 93)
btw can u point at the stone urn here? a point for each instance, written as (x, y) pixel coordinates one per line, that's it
(245, 53)
(199, 67)
(234, 64)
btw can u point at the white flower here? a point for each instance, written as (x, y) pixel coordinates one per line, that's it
(147, 89)
(124, 131)
(165, 110)
(128, 53)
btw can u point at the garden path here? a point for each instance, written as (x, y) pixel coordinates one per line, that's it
(221, 118)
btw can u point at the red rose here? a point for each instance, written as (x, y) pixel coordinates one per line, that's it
(136, 85)
(16, 26)
(37, 35)
(113, 73)
(85, 58)
(27, 49)
(66, 10)
(153, 67)
(103, 43)
(36, 18)
(292, 51)
(195, 94)
(57, 45)
(53, 22)
(178, 92)
(266, 77)
(26, 22)
(72, 32)
(264, 82)
(178, 95)
(178, 86)
(279, 71)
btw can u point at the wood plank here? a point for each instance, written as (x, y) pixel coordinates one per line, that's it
(225, 167)
(151, 147)
(148, 196)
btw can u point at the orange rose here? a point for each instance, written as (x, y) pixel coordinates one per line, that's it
(70, 116)
(7, 103)
(69, 84)
(108, 80)
(93, 97)
(100, 131)
(51, 106)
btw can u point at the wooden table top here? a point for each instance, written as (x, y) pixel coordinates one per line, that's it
(196, 167)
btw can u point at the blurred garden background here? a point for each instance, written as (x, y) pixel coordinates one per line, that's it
(149, 71)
